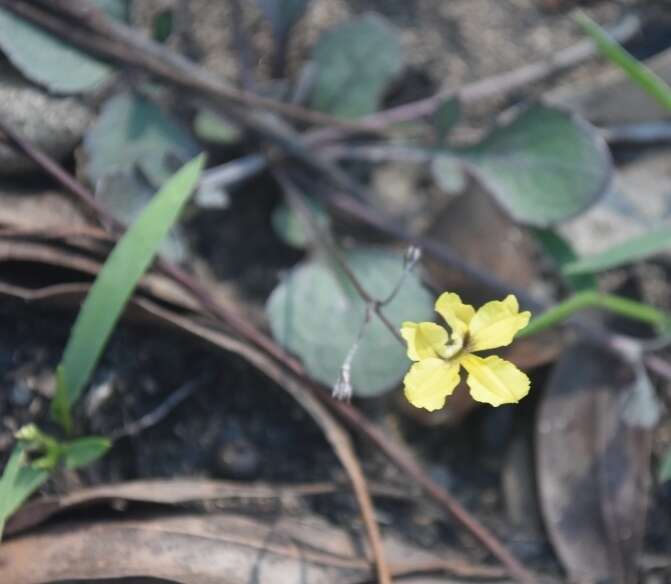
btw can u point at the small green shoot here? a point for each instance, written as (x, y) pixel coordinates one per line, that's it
(115, 284)
(19, 480)
(644, 77)
(594, 299)
(35, 457)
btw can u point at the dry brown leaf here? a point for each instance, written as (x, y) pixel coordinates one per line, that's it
(475, 228)
(168, 492)
(17, 250)
(38, 210)
(593, 469)
(221, 548)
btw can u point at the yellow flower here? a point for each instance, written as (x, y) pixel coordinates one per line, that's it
(439, 355)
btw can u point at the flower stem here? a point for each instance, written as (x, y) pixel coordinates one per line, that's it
(593, 299)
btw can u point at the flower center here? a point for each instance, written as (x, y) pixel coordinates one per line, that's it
(452, 348)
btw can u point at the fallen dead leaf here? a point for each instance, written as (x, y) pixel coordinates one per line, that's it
(15, 250)
(168, 492)
(221, 548)
(38, 209)
(593, 469)
(507, 251)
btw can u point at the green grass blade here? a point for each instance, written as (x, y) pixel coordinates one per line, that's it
(593, 299)
(644, 77)
(115, 283)
(632, 250)
(83, 451)
(17, 483)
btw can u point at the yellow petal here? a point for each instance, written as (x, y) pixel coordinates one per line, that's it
(494, 380)
(496, 323)
(457, 314)
(429, 382)
(425, 339)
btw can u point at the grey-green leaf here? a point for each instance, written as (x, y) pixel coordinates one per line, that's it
(116, 281)
(212, 127)
(132, 133)
(45, 59)
(289, 226)
(544, 167)
(317, 316)
(638, 248)
(354, 64)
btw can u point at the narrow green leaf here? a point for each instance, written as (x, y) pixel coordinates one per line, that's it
(632, 250)
(116, 281)
(60, 405)
(83, 451)
(289, 226)
(644, 77)
(593, 299)
(562, 254)
(18, 482)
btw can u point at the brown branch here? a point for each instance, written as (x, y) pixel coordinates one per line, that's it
(84, 26)
(498, 85)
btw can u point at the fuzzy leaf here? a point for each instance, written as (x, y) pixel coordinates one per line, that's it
(45, 59)
(354, 64)
(317, 315)
(131, 134)
(543, 167)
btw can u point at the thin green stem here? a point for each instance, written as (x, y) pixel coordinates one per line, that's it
(646, 79)
(593, 299)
